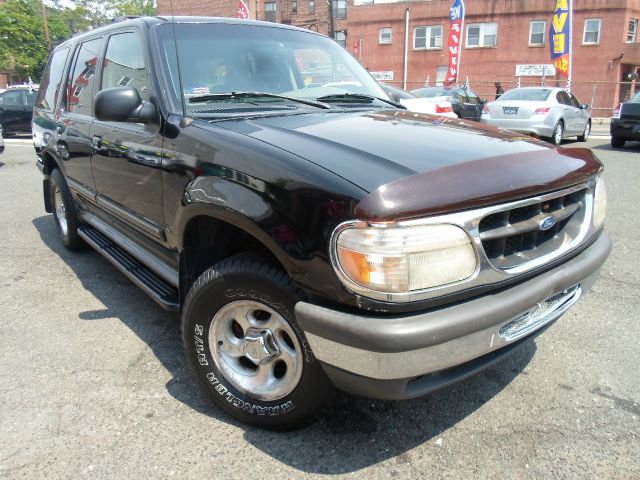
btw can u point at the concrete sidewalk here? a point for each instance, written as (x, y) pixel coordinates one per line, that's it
(600, 126)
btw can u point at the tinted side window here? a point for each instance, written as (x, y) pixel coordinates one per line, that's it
(15, 97)
(563, 98)
(459, 95)
(81, 78)
(574, 101)
(473, 98)
(124, 64)
(51, 80)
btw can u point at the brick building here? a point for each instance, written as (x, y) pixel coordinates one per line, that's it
(499, 36)
(311, 14)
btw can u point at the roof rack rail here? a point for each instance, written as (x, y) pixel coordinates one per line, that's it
(124, 17)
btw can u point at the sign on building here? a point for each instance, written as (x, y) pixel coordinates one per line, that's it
(535, 70)
(386, 75)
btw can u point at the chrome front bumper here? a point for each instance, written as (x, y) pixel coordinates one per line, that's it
(408, 346)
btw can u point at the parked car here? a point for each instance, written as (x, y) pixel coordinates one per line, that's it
(625, 122)
(465, 102)
(417, 104)
(16, 109)
(550, 113)
(310, 237)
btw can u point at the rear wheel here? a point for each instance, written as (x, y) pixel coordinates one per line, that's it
(585, 135)
(556, 138)
(64, 212)
(246, 348)
(617, 142)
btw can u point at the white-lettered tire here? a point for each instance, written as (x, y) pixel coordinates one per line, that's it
(245, 347)
(64, 212)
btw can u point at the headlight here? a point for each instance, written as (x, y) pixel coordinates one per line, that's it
(599, 203)
(404, 259)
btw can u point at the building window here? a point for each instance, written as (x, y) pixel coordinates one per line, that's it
(632, 31)
(482, 35)
(427, 37)
(339, 8)
(591, 34)
(385, 36)
(341, 38)
(294, 6)
(270, 11)
(312, 6)
(537, 31)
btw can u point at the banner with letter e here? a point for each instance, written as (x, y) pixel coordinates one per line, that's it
(560, 38)
(456, 29)
(243, 10)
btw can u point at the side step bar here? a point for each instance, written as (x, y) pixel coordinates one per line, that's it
(164, 294)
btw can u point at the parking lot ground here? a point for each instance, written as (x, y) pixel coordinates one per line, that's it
(94, 384)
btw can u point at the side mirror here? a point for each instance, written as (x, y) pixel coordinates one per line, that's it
(584, 106)
(123, 104)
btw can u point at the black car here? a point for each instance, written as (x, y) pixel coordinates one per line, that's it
(625, 122)
(16, 110)
(465, 102)
(255, 179)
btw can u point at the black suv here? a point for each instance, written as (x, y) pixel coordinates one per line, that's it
(311, 232)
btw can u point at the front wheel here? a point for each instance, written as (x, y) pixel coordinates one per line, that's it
(556, 138)
(245, 347)
(585, 135)
(617, 142)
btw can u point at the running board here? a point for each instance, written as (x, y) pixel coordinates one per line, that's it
(164, 294)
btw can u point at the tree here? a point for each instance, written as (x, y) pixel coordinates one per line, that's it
(22, 43)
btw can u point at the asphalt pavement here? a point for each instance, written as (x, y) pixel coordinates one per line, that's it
(94, 383)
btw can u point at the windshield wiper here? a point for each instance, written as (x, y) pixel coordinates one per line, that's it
(214, 97)
(357, 98)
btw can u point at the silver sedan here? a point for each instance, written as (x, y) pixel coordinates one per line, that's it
(551, 113)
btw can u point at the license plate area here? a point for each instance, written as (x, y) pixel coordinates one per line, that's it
(509, 110)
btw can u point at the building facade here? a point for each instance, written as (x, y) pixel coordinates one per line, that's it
(504, 40)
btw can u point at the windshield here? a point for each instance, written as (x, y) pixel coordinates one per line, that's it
(527, 94)
(635, 98)
(432, 92)
(220, 58)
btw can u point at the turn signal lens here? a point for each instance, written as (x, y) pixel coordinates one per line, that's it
(599, 203)
(404, 259)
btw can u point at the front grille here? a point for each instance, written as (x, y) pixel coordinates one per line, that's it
(516, 236)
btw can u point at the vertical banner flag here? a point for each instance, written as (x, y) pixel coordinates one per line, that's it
(243, 11)
(456, 28)
(560, 38)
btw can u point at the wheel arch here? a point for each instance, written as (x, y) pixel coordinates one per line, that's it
(209, 236)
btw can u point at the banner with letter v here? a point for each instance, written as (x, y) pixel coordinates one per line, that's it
(560, 38)
(456, 30)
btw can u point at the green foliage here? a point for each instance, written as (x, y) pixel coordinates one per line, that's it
(23, 47)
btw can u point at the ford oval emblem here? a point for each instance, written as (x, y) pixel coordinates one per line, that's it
(547, 223)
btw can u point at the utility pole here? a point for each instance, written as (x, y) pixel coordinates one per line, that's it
(45, 24)
(331, 33)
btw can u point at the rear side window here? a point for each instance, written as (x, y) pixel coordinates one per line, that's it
(563, 98)
(81, 77)
(15, 97)
(124, 64)
(51, 80)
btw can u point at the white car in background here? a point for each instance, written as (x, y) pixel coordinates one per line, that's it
(545, 112)
(417, 104)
